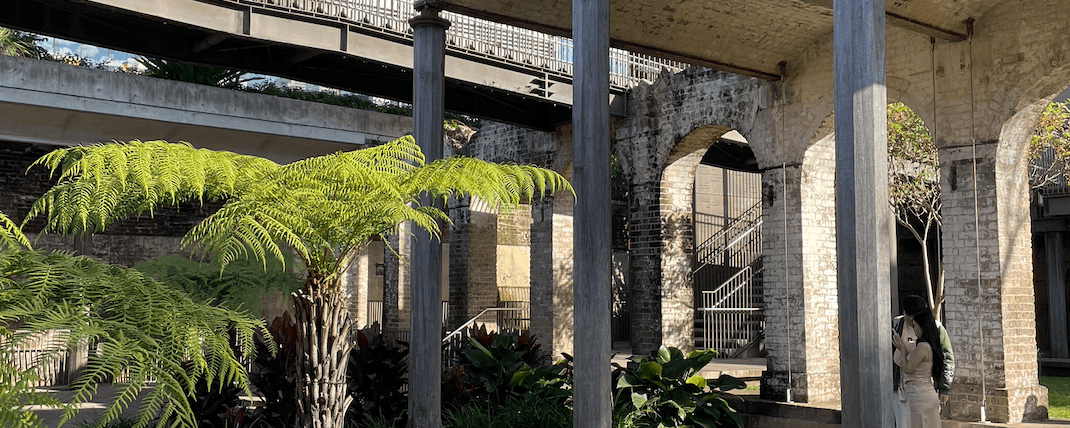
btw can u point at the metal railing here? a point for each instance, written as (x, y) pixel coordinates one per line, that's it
(734, 236)
(472, 36)
(732, 315)
(375, 312)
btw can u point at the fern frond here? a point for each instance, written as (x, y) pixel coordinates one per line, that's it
(103, 183)
(164, 341)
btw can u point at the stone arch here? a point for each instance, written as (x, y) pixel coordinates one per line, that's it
(671, 123)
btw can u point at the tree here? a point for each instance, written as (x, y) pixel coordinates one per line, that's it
(1049, 147)
(155, 335)
(182, 72)
(914, 189)
(326, 209)
(18, 43)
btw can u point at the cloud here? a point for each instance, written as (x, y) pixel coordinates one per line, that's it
(88, 51)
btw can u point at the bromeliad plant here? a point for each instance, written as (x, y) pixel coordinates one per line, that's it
(668, 391)
(326, 209)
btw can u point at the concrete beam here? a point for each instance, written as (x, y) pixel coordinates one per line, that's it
(43, 102)
(862, 215)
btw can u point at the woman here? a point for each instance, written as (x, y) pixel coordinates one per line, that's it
(920, 365)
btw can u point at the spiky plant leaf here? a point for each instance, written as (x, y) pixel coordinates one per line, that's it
(152, 335)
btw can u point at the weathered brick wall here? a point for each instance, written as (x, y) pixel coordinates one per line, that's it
(819, 272)
(670, 125)
(782, 277)
(551, 273)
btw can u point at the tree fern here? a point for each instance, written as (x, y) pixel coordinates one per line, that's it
(239, 286)
(325, 208)
(142, 329)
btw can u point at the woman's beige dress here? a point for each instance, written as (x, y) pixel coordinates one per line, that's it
(922, 400)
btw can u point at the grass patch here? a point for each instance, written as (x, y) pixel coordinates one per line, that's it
(1058, 396)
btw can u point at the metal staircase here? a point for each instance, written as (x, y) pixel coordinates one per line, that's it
(728, 287)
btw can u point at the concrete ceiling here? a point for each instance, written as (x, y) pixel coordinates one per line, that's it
(749, 37)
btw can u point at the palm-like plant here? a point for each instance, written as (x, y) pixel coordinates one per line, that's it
(326, 209)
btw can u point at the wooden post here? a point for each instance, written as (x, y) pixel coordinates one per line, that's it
(862, 213)
(425, 341)
(591, 245)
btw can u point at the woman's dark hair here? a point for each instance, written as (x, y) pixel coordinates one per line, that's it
(918, 308)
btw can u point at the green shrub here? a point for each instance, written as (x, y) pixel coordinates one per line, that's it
(530, 412)
(668, 391)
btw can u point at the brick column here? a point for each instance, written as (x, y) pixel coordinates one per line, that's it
(644, 236)
(678, 252)
(551, 273)
(473, 261)
(396, 283)
(460, 215)
(995, 319)
(800, 284)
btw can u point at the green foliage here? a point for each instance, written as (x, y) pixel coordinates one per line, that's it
(275, 377)
(239, 285)
(118, 423)
(1049, 146)
(182, 72)
(17, 393)
(668, 391)
(528, 412)
(326, 208)
(377, 374)
(141, 330)
(914, 181)
(11, 234)
(18, 43)
(497, 367)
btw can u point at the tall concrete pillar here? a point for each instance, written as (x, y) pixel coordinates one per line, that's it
(425, 343)
(862, 214)
(593, 246)
(551, 273)
(989, 303)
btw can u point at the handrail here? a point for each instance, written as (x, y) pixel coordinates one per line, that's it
(705, 260)
(748, 216)
(516, 46)
(473, 319)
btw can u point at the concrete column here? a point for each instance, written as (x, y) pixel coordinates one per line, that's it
(1053, 248)
(425, 343)
(862, 214)
(593, 246)
(989, 306)
(551, 273)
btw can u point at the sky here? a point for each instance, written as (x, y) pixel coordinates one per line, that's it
(111, 58)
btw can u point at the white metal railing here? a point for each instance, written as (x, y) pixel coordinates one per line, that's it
(721, 244)
(732, 316)
(375, 312)
(500, 42)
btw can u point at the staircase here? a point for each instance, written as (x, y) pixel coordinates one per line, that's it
(728, 288)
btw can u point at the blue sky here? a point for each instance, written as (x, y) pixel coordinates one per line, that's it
(111, 58)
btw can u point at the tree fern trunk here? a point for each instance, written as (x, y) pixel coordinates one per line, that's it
(323, 351)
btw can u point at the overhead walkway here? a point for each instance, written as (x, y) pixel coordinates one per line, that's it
(493, 71)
